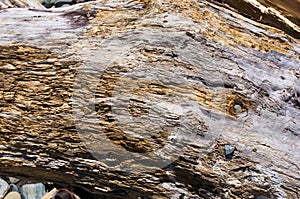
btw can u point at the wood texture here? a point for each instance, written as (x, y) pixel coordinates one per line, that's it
(138, 99)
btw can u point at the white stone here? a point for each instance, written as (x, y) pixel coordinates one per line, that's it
(13, 195)
(13, 180)
(33, 191)
(4, 187)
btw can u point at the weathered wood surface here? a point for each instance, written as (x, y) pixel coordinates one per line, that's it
(283, 14)
(90, 93)
(20, 4)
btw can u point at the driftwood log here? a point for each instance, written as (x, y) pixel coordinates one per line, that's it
(137, 99)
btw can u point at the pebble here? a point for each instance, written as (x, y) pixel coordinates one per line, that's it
(4, 187)
(229, 150)
(238, 109)
(13, 195)
(33, 191)
(14, 187)
(13, 180)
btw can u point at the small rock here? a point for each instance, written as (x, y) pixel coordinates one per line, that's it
(33, 191)
(13, 180)
(4, 187)
(13, 195)
(14, 187)
(229, 151)
(65, 5)
(238, 109)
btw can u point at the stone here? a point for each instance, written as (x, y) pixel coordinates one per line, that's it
(13, 195)
(33, 191)
(4, 187)
(238, 109)
(13, 187)
(13, 180)
(229, 151)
